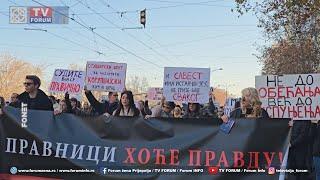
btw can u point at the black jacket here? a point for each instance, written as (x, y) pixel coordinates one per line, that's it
(237, 113)
(15, 104)
(101, 108)
(40, 102)
(68, 103)
(315, 135)
(146, 108)
(300, 134)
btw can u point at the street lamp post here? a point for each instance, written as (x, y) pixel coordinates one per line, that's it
(228, 85)
(218, 69)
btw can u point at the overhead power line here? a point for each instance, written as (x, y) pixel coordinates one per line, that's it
(175, 27)
(203, 3)
(129, 34)
(149, 36)
(59, 36)
(104, 38)
(35, 28)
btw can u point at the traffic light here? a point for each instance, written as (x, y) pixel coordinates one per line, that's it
(143, 17)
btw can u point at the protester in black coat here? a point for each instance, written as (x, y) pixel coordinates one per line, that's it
(67, 103)
(147, 109)
(14, 100)
(106, 107)
(34, 97)
(298, 152)
(315, 137)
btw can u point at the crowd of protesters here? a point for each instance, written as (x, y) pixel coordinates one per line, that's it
(304, 151)
(36, 99)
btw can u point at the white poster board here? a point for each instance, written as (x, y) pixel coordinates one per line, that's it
(106, 76)
(186, 84)
(295, 96)
(155, 93)
(65, 80)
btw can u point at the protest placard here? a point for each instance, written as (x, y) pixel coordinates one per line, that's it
(295, 96)
(155, 93)
(106, 76)
(65, 80)
(186, 84)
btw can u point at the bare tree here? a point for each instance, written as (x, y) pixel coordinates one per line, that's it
(137, 84)
(76, 67)
(13, 72)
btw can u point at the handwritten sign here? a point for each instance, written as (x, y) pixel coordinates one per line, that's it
(290, 96)
(155, 93)
(186, 84)
(65, 80)
(106, 76)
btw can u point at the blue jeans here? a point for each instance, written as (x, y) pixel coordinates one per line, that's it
(316, 162)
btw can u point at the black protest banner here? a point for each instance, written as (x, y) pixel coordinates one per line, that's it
(131, 148)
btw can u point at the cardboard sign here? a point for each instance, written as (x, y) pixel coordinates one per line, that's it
(65, 80)
(186, 84)
(294, 96)
(106, 76)
(155, 93)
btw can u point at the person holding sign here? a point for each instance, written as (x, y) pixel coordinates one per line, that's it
(126, 106)
(107, 107)
(210, 109)
(250, 106)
